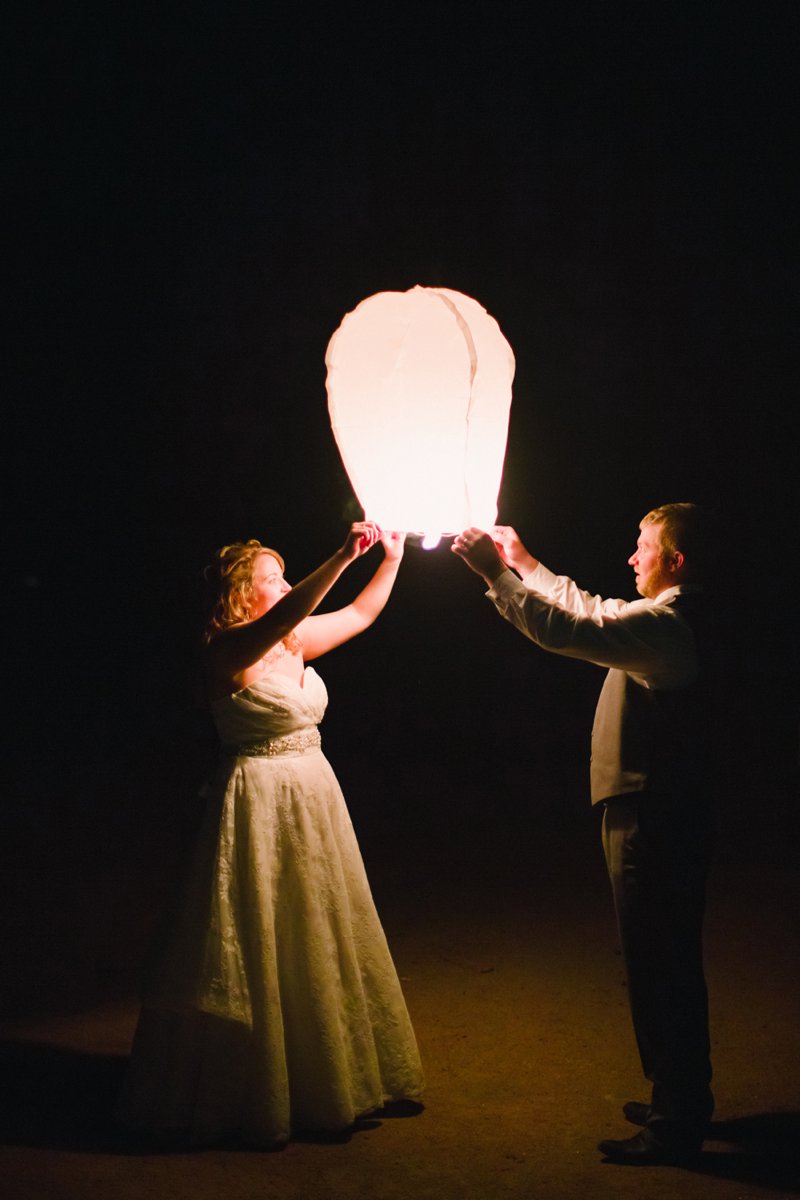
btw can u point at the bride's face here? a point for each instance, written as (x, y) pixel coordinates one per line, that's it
(268, 584)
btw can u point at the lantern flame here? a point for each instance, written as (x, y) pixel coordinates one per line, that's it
(419, 394)
(431, 540)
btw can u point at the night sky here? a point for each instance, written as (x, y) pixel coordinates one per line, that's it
(202, 191)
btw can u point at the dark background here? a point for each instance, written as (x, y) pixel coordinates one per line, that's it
(200, 193)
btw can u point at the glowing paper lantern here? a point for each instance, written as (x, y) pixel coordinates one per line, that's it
(419, 393)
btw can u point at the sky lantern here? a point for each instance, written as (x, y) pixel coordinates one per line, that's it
(419, 394)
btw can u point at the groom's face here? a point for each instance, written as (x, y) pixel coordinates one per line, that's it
(650, 562)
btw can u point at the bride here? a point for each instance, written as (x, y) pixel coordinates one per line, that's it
(271, 1004)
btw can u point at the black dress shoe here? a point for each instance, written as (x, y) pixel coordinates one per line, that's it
(646, 1149)
(636, 1112)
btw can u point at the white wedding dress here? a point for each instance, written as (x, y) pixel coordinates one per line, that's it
(271, 1004)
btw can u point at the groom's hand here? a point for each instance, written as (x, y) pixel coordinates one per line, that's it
(512, 551)
(480, 553)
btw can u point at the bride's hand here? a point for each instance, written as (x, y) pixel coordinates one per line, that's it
(362, 537)
(393, 544)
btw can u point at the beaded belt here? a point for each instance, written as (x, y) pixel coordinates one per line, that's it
(290, 743)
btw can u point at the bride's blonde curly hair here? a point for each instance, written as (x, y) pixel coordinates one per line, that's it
(231, 574)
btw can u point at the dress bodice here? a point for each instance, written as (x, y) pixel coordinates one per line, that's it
(271, 707)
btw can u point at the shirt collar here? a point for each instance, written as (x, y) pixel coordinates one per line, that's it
(677, 590)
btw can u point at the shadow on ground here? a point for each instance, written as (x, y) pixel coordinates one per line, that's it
(63, 1100)
(57, 1098)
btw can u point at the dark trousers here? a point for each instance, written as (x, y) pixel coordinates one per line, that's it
(658, 854)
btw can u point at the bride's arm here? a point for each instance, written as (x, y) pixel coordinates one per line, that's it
(238, 647)
(324, 632)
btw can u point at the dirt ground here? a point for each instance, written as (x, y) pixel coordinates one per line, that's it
(503, 935)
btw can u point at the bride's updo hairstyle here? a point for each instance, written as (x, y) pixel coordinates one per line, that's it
(231, 575)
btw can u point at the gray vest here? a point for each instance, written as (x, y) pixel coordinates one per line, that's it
(657, 741)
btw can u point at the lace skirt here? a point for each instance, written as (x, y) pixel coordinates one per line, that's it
(271, 1004)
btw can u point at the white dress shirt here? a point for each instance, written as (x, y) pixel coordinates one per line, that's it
(648, 639)
(641, 642)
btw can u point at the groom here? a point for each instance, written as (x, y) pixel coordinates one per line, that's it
(651, 770)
